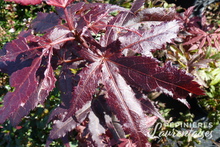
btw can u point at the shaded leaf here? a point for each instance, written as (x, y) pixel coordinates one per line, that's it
(107, 119)
(25, 83)
(12, 49)
(137, 5)
(83, 92)
(38, 97)
(61, 127)
(96, 129)
(45, 22)
(149, 107)
(66, 85)
(122, 100)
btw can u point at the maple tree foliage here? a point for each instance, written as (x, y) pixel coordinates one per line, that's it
(201, 34)
(110, 47)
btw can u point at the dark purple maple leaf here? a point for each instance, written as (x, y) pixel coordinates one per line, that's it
(117, 72)
(83, 92)
(96, 129)
(95, 53)
(38, 96)
(48, 21)
(150, 40)
(22, 80)
(32, 82)
(122, 100)
(144, 72)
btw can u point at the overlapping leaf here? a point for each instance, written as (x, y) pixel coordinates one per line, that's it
(24, 81)
(32, 82)
(122, 100)
(66, 85)
(61, 127)
(83, 92)
(144, 72)
(116, 24)
(47, 22)
(16, 55)
(96, 129)
(202, 38)
(151, 39)
(14, 48)
(106, 73)
(98, 16)
(38, 96)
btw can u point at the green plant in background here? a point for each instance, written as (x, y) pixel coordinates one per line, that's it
(32, 131)
(203, 61)
(14, 18)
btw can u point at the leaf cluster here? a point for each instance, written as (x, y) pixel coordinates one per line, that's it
(104, 54)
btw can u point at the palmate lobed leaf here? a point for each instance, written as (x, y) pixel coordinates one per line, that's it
(116, 72)
(45, 22)
(122, 100)
(18, 51)
(32, 82)
(83, 92)
(24, 81)
(106, 70)
(38, 96)
(29, 90)
(144, 72)
(152, 39)
(119, 94)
